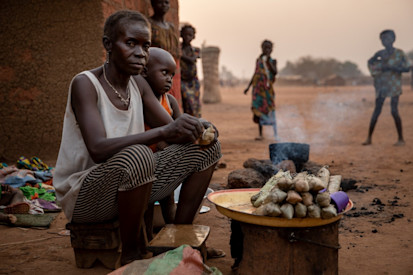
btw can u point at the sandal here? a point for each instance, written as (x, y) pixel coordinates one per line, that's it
(213, 253)
(17, 208)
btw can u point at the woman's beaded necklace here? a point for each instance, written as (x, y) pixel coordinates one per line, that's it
(124, 101)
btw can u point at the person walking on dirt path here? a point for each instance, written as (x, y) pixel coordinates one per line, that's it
(263, 95)
(105, 169)
(386, 68)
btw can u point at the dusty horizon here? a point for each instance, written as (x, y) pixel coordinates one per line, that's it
(346, 30)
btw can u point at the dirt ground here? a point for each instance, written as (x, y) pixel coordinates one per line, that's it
(375, 238)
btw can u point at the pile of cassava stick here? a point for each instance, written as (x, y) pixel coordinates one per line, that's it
(301, 196)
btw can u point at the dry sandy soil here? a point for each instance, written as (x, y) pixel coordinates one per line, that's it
(374, 239)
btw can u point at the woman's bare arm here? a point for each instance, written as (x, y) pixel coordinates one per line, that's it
(100, 147)
(185, 128)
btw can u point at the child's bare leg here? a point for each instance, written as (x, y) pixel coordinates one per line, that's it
(397, 120)
(148, 217)
(132, 206)
(192, 192)
(375, 116)
(168, 208)
(260, 137)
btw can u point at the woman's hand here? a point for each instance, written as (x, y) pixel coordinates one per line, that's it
(207, 124)
(185, 128)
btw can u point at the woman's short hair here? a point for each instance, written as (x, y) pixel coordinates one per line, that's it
(111, 25)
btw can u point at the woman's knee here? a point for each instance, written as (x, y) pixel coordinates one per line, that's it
(138, 165)
(215, 149)
(135, 156)
(211, 156)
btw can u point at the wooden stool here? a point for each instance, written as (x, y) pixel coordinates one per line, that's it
(174, 235)
(95, 241)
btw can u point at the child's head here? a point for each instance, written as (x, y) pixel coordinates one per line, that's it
(387, 37)
(160, 70)
(187, 33)
(266, 47)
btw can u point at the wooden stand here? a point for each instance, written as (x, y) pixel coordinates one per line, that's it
(172, 236)
(95, 242)
(308, 250)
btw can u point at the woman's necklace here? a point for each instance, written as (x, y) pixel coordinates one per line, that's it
(124, 101)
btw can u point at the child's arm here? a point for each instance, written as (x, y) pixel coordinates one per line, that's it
(401, 67)
(374, 58)
(187, 57)
(273, 65)
(176, 111)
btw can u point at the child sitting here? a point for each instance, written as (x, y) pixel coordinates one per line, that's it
(159, 72)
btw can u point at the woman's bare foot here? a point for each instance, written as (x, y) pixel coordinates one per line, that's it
(259, 138)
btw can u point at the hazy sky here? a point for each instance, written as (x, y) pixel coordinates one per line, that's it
(342, 29)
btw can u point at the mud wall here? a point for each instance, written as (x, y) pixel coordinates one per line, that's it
(44, 44)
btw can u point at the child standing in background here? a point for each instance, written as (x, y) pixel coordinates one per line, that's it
(263, 96)
(190, 87)
(386, 67)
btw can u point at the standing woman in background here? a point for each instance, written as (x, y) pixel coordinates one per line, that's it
(190, 87)
(165, 36)
(263, 96)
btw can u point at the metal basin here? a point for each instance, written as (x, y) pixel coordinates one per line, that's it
(236, 204)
